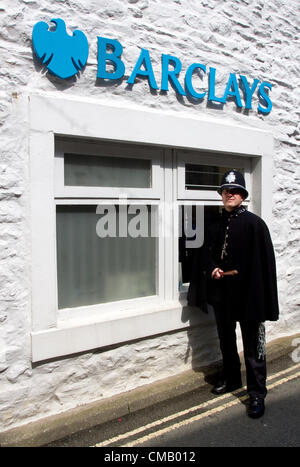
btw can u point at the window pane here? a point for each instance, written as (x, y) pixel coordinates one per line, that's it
(94, 270)
(204, 177)
(188, 244)
(85, 170)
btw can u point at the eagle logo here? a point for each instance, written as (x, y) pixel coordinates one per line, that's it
(63, 55)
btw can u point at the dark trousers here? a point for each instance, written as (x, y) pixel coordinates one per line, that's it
(255, 360)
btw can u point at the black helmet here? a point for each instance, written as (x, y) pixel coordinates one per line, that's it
(233, 179)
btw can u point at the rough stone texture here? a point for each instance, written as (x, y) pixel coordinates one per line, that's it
(251, 37)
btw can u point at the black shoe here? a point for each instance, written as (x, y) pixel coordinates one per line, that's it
(223, 386)
(256, 407)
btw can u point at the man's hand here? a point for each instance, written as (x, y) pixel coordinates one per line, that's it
(217, 273)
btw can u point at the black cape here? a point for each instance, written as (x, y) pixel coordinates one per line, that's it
(252, 294)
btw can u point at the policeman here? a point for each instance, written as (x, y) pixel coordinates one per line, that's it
(242, 288)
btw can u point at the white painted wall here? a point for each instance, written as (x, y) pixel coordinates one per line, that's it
(250, 37)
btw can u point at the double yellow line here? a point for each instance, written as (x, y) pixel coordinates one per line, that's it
(204, 405)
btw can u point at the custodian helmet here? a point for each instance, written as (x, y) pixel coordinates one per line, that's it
(233, 179)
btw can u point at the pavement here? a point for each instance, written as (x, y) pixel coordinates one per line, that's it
(49, 429)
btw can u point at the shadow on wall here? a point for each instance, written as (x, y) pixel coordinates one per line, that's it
(203, 348)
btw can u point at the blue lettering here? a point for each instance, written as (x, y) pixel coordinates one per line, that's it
(113, 57)
(188, 80)
(171, 75)
(248, 91)
(144, 59)
(110, 51)
(264, 98)
(212, 87)
(232, 89)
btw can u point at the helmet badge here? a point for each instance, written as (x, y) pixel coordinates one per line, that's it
(230, 177)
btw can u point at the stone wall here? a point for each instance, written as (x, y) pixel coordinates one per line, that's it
(255, 38)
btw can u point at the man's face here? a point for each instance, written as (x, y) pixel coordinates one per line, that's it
(232, 198)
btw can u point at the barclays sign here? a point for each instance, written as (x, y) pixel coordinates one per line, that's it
(66, 55)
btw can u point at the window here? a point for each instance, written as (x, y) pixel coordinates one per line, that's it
(199, 176)
(197, 219)
(160, 171)
(199, 180)
(91, 269)
(109, 251)
(86, 169)
(204, 177)
(107, 201)
(83, 170)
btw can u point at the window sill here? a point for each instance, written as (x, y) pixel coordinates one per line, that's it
(83, 334)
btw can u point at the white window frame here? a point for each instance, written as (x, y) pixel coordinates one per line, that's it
(85, 195)
(155, 156)
(201, 158)
(117, 308)
(204, 197)
(53, 336)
